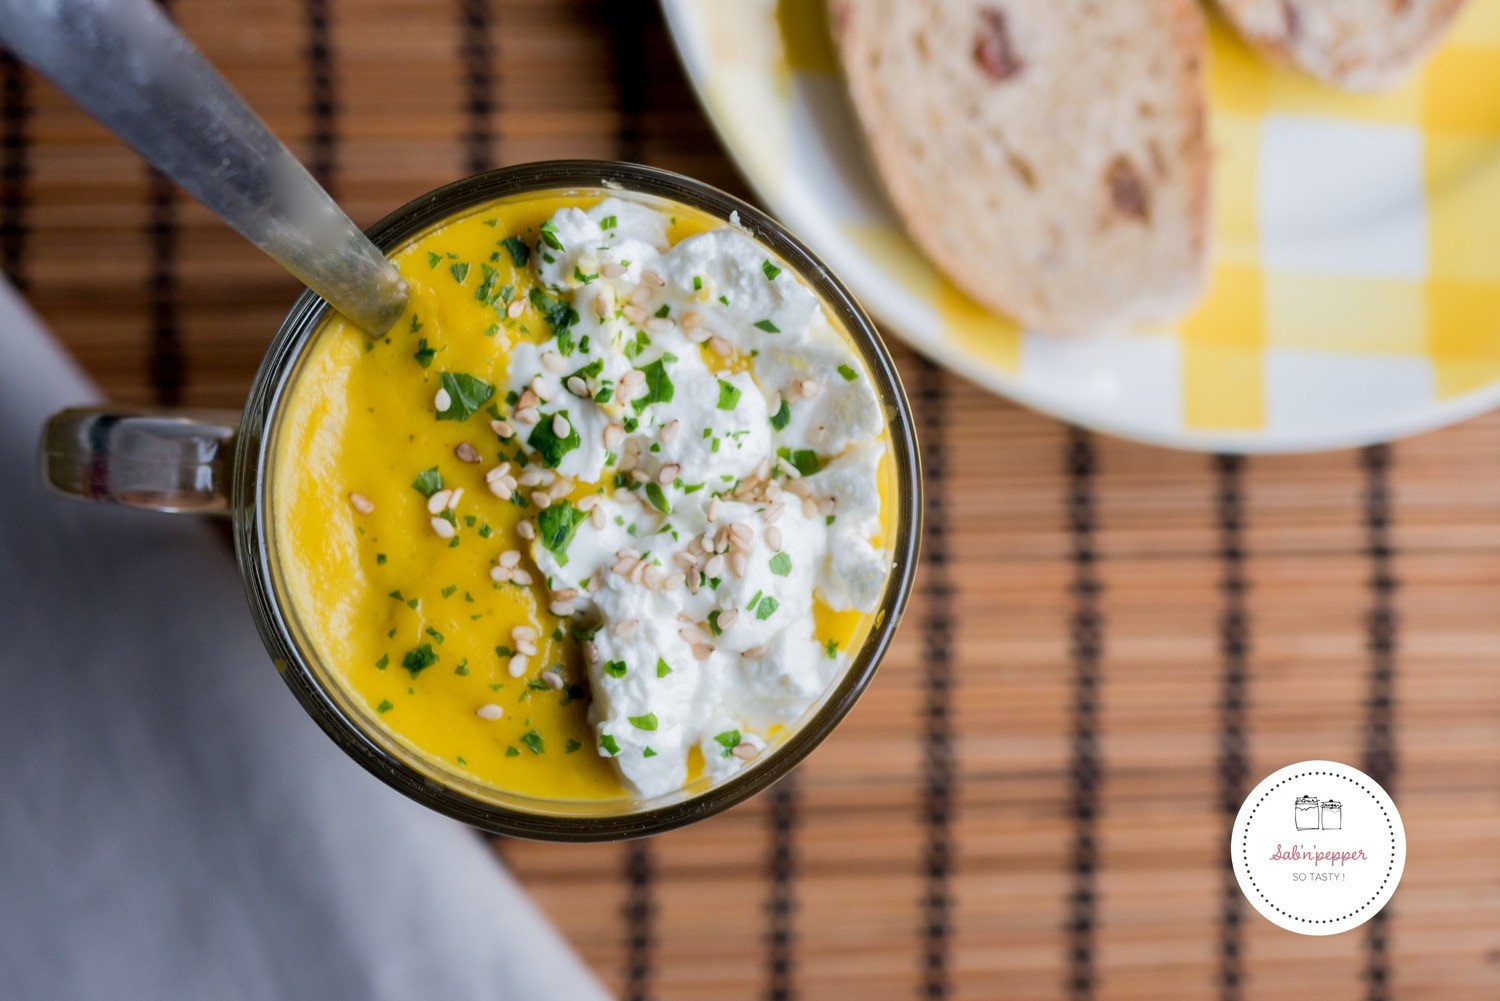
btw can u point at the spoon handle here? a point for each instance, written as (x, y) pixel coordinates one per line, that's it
(127, 64)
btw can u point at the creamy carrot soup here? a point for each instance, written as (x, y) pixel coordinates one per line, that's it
(603, 515)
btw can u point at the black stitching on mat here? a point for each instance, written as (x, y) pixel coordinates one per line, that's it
(1234, 649)
(639, 913)
(1087, 628)
(167, 364)
(630, 22)
(781, 904)
(937, 641)
(322, 148)
(15, 166)
(476, 48)
(1380, 755)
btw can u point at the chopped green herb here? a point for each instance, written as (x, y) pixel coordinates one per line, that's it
(380, 559)
(615, 668)
(781, 564)
(459, 271)
(433, 260)
(848, 373)
(768, 606)
(782, 417)
(486, 292)
(557, 525)
(646, 722)
(697, 284)
(770, 269)
(385, 706)
(663, 311)
(511, 752)
(608, 222)
(581, 278)
(573, 745)
(533, 742)
(448, 591)
(662, 669)
(658, 497)
(434, 634)
(659, 388)
(609, 745)
(418, 660)
(549, 235)
(648, 753)
(559, 316)
(832, 646)
(466, 394)
(383, 662)
(729, 395)
(804, 459)
(729, 740)
(520, 251)
(462, 670)
(545, 440)
(767, 326)
(428, 483)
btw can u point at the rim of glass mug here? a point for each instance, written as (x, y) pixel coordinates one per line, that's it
(317, 687)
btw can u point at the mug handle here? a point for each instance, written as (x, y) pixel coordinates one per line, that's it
(165, 460)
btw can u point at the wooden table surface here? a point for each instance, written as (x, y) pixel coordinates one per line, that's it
(1109, 645)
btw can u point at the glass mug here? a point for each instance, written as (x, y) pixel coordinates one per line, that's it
(218, 463)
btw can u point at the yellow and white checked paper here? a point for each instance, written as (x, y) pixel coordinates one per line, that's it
(1356, 269)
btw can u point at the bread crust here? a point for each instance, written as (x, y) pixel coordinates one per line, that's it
(1055, 165)
(1361, 45)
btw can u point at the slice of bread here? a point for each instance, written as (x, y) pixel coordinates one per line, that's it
(1051, 158)
(1354, 44)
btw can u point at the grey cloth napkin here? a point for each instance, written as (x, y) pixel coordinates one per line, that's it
(172, 825)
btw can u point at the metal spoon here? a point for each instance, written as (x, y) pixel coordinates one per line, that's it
(127, 64)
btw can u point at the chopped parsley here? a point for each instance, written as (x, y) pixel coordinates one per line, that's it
(781, 564)
(729, 395)
(546, 442)
(433, 260)
(767, 607)
(848, 373)
(383, 662)
(434, 634)
(560, 316)
(466, 394)
(662, 669)
(549, 235)
(380, 559)
(581, 278)
(659, 388)
(533, 742)
(770, 269)
(648, 753)
(767, 326)
(646, 722)
(782, 417)
(658, 497)
(573, 745)
(729, 740)
(385, 706)
(520, 252)
(428, 483)
(832, 646)
(713, 623)
(608, 222)
(615, 668)
(418, 660)
(424, 354)
(805, 460)
(459, 271)
(556, 527)
(609, 745)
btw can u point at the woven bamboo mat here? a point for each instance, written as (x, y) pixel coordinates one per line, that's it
(1110, 643)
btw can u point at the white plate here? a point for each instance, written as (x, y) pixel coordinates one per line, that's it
(1356, 273)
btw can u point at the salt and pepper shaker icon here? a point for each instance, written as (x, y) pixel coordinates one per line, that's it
(1307, 813)
(1332, 815)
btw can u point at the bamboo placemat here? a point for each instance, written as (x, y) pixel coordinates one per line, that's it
(1109, 645)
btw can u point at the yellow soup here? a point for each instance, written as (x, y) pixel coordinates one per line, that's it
(412, 617)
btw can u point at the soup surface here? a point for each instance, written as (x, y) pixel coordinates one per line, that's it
(601, 516)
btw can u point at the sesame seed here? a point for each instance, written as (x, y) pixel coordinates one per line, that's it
(746, 751)
(729, 618)
(774, 512)
(773, 538)
(510, 558)
(604, 302)
(361, 503)
(625, 564)
(670, 432)
(755, 652)
(635, 314)
(438, 501)
(741, 531)
(577, 386)
(660, 325)
(652, 577)
(526, 530)
(668, 473)
(720, 346)
(739, 563)
(561, 609)
(626, 628)
(560, 426)
(554, 680)
(566, 594)
(526, 647)
(528, 398)
(499, 575)
(787, 468)
(591, 652)
(541, 389)
(640, 296)
(489, 711)
(521, 577)
(691, 319)
(502, 428)
(611, 269)
(640, 476)
(523, 633)
(817, 435)
(466, 452)
(453, 498)
(498, 473)
(810, 507)
(515, 309)
(596, 519)
(713, 508)
(517, 666)
(541, 500)
(652, 278)
(714, 567)
(443, 529)
(635, 377)
(613, 435)
(702, 650)
(553, 362)
(674, 581)
(528, 415)
(442, 401)
(504, 487)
